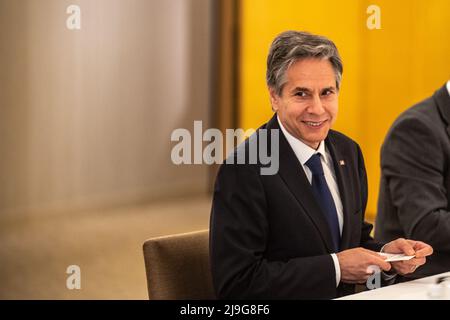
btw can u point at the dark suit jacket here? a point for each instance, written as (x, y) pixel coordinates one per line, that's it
(268, 236)
(414, 199)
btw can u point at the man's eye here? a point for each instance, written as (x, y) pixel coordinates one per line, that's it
(300, 94)
(327, 92)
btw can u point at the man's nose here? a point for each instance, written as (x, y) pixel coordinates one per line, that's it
(316, 105)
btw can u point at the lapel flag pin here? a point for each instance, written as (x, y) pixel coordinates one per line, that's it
(342, 162)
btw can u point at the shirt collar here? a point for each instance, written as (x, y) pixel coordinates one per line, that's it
(448, 87)
(302, 150)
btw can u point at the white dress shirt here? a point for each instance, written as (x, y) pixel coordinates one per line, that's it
(448, 87)
(303, 153)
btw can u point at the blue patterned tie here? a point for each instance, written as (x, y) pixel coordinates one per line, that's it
(323, 196)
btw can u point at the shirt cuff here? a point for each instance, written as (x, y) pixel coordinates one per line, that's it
(337, 267)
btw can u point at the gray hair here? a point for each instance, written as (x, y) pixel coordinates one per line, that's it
(291, 46)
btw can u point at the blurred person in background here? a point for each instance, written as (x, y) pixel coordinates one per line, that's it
(414, 199)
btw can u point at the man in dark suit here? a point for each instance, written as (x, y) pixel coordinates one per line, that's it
(414, 198)
(299, 233)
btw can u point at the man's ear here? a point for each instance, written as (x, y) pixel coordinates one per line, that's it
(274, 99)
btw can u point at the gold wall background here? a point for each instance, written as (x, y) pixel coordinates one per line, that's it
(385, 71)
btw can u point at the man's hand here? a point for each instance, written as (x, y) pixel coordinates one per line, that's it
(409, 248)
(355, 263)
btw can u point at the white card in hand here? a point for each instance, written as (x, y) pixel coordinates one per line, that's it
(391, 257)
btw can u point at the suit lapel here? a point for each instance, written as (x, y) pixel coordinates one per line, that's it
(342, 176)
(294, 176)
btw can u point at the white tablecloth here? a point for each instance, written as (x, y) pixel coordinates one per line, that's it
(419, 289)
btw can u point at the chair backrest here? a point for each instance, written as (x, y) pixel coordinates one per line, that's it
(177, 267)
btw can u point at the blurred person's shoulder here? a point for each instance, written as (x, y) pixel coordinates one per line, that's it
(422, 116)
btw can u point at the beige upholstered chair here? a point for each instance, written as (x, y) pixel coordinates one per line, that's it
(178, 267)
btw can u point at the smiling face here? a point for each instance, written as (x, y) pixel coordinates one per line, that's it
(308, 104)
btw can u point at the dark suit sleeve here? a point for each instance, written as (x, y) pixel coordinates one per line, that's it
(238, 239)
(366, 228)
(413, 163)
